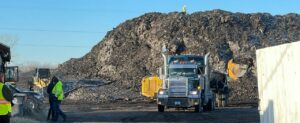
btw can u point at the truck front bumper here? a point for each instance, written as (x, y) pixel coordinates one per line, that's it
(180, 102)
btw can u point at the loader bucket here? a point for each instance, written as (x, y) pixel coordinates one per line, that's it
(150, 86)
(236, 70)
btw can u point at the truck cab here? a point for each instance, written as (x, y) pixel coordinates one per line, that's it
(186, 83)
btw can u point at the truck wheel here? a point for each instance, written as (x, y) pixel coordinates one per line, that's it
(206, 107)
(161, 108)
(210, 105)
(224, 100)
(219, 100)
(213, 105)
(197, 108)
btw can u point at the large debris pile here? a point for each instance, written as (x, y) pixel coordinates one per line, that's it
(132, 50)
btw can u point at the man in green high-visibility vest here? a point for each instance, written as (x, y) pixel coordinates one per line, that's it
(6, 98)
(184, 9)
(58, 93)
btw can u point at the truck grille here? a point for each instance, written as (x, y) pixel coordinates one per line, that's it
(178, 89)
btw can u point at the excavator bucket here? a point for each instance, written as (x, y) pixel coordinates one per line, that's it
(150, 86)
(236, 70)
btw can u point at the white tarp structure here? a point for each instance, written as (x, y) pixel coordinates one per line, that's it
(279, 83)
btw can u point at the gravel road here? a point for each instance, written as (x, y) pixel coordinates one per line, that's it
(148, 113)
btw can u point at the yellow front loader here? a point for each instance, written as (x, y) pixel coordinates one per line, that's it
(40, 80)
(236, 70)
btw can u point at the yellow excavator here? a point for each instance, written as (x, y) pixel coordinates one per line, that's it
(40, 80)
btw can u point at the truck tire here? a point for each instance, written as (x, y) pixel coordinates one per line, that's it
(207, 106)
(219, 100)
(210, 106)
(224, 100)
(213, 105)
(161, 108)
(197, 108)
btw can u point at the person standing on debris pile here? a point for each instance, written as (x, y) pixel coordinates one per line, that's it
(52, 97)
(58, 93)
(184, 9)
(6, 98)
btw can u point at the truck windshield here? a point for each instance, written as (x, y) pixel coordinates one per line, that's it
(187, 72)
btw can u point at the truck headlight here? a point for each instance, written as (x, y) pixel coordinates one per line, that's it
(193, 92)
(162, 92)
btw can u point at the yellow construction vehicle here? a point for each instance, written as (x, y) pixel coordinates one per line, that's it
(150, 86)
(40, 80)
(236, 70)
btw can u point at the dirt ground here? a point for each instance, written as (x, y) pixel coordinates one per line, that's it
(148, 113)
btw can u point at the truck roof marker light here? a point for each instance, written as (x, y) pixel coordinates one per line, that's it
(192, 61)
(175, 62)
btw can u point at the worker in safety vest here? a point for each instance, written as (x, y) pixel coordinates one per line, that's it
(52, 97)
(57, 91)
(6, 98)
(184, 9)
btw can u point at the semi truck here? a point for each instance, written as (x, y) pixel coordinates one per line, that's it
(186, 82)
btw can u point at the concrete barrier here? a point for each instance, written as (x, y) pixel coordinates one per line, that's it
(279, 83)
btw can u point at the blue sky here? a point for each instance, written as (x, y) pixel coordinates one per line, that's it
(53, 31)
